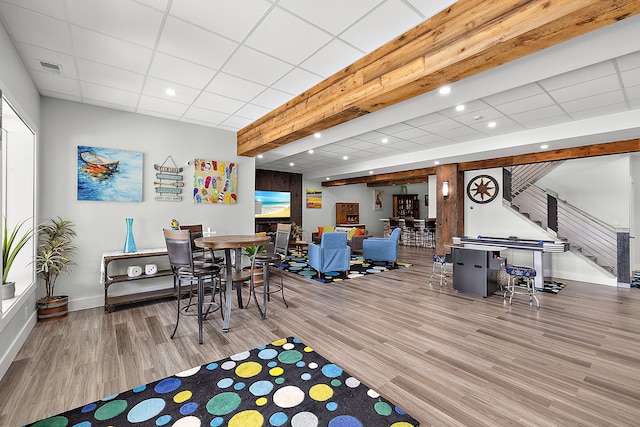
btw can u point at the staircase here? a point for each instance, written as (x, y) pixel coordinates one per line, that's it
(588, 236)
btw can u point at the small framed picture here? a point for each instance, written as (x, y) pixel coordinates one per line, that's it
(426, 200)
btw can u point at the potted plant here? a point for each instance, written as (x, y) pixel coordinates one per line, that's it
(53, 258)
(296, 232)
(11, 245)
(250, 251)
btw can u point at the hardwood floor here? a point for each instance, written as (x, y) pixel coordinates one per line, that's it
(446, 358)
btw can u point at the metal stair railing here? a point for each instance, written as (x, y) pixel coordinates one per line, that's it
(591, 237)
(532, 203)
(523, 176)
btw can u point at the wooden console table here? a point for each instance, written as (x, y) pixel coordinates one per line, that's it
(108, 280)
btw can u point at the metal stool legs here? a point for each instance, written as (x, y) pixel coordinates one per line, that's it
(440, 264)
(527, 276)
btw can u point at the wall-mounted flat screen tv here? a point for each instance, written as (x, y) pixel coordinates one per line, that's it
(273, 204)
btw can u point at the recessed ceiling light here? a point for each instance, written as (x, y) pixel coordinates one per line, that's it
(444, 90)
(544, 146)
(171, 92)
(460, 107)
(385, 140)
(491, 124)
(345, 157)
(370, 172)
(437, 162)
(292, 164)
(317, 135)
(310, 151)
(327, 179)
(260, 156)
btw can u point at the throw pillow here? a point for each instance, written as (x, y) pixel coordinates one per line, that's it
(319, 231)
(351, 233)
(359, 232)
(327, 229)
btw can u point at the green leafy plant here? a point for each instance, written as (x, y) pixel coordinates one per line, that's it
(251, 250)
(296, 231)
(11, 245)
(55, 251)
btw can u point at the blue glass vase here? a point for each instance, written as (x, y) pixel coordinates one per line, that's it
(129, 242)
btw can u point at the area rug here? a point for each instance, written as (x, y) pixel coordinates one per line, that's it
(281, 383)
(550, 286)
(298, 263)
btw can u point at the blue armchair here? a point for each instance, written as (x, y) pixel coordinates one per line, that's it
(332, 254)
(382, 249)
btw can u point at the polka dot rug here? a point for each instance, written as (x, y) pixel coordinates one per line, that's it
(359, 267)
(282, 383)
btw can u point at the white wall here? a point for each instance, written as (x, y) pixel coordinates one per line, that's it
(314, 218)
(101, 225)
(18, 88)
(635, 212)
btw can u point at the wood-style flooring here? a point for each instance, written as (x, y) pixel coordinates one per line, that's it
(448, 359)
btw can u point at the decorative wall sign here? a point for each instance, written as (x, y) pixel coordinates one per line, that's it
(314, 199)
(109, 175)
(378, 199)
(215, 182)
(168, 181)
(482, 189)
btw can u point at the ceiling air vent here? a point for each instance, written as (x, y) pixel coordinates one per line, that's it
(50, 67)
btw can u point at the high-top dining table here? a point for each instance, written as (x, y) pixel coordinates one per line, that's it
(237, 242)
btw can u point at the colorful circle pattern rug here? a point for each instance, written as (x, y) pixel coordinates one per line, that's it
(282, 383)
(359, 267)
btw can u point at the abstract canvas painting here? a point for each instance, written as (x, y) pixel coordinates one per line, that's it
(215, 182)
(109, 175)
(314, 199)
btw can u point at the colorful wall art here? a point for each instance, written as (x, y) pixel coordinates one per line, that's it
(314, 199)
(378, 200)
(109, 175)
(215, 181)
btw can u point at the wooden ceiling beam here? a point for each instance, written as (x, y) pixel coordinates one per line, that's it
(414, 176)
(465, 39)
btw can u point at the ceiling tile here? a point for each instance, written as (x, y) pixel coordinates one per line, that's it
(236, 123)
(531, 117)
(203, 115)
(526, 104)
(157, 105)
(255, 66)
(631, 77)
(106, 75)
(108, 95)
(587, 88)
(323, 13)
(271, 98)
(578, 76)
(279, 33)
(234, 87)
(124, 19)
(56, 84)
(160, 5)
(232, 19)
(219, 103)
(410, 134)
(431, 7)
(253, 112)
(52, 33)
(195, 44)
(388, 21)
(332, 58)
(297, 81)
(157, 88)
(628, 62)
(32, 55)
(173, 69)
(109, 50)
(507, 96)
(52, 8)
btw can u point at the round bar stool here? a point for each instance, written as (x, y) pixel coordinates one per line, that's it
(526, 277)
(439, 264)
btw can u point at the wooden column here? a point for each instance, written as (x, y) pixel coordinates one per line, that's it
(450, 211)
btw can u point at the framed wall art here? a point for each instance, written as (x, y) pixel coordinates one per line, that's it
(109, 175)
(215, 181)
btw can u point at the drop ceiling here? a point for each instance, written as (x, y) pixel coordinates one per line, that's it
(231, 62)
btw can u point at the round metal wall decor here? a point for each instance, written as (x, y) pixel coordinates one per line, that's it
(483, 189)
